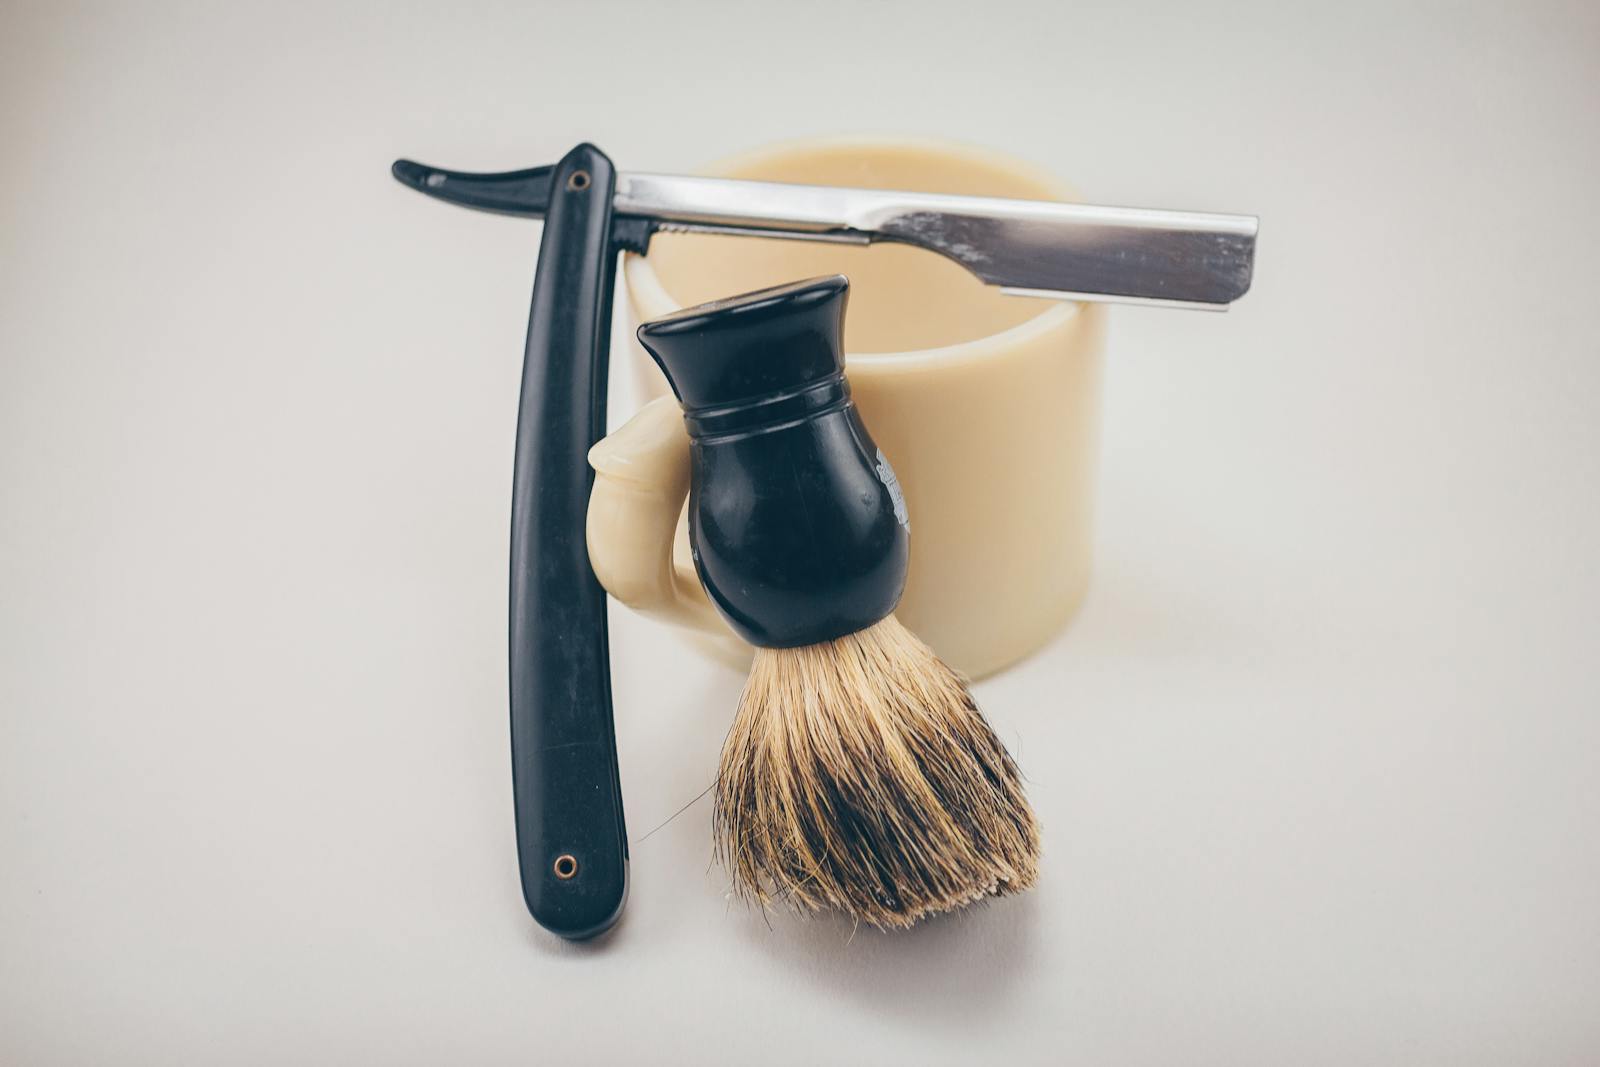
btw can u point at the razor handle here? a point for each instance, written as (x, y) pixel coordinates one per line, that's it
(571, 844)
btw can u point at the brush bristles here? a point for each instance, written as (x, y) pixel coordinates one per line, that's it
(860, 776)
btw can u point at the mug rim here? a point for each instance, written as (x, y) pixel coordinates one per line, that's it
(644, 282)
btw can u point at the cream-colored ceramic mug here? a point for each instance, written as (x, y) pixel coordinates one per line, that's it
(987, 406)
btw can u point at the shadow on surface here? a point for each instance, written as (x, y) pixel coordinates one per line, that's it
(946, 968)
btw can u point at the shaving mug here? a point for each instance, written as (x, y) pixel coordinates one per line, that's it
(986, 405)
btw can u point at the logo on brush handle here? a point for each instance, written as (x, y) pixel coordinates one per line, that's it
(891, 483)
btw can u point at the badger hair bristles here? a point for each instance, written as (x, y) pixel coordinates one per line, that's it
(860, 776)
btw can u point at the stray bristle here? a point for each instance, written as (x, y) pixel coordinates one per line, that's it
(860, 776)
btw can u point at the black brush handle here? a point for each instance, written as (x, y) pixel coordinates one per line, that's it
(798, 525)
(571, 843)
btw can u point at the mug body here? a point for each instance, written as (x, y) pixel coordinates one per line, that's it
(986, 405)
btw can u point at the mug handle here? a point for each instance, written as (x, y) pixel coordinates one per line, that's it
(641, 480)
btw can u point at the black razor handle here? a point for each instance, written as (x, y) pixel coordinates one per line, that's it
(571, 844)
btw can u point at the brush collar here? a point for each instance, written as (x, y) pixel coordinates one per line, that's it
(765, 414)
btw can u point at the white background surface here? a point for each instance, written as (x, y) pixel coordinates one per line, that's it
(1316, 763)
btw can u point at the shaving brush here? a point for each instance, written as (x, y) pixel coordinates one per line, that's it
(858, 775)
